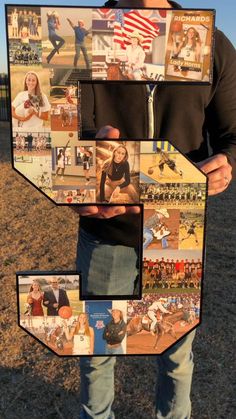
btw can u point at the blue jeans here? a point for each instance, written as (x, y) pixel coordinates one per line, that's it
(78, 47)
(57, 42)
(114, 351)
(148, 237)
(97, 373)
(105, 269)
(172, 392)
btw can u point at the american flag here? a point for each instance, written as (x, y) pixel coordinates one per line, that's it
(132, 21)
(103, 14)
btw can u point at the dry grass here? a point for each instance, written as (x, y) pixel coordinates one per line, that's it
(36, 384)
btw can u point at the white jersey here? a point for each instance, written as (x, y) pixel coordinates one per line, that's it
(81, 344)
(188, 53)
(61, 162)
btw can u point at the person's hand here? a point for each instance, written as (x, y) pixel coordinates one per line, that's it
(108, 132)
(115, 193)
(218, 171)
(31, 110)
(105, 211)
(55, 305)
(46, 302)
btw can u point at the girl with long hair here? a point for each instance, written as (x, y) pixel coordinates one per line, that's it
(30, 108)
(82, 335)
(114, 333)
(115, 178)
(190, 47)
(34, 299)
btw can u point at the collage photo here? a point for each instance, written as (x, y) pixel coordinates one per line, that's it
(172, 264)
(50, 310)
(114, 44)
(50, 51)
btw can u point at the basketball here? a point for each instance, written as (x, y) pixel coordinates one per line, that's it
(71, 134)
(150, 171)
(65, 312)
(176, 26)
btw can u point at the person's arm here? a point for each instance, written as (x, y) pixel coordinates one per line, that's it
(66, 299)
(221, 119)
(22, 118)
(41, 115)
(64, 148)
(71, 23)
(105, 334)
(126, 176)
(121, 334)
(102, 186)
(176, 49)
(29, 298)
(67, 144)
(91, 340)
(45, 299)
(69, 334)
(163, 310)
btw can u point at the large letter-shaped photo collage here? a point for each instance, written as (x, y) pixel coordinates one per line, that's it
(52, 51)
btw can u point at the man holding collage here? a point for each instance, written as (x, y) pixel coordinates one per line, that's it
(192, 117)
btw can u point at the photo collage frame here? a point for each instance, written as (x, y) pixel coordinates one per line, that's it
(51, 51)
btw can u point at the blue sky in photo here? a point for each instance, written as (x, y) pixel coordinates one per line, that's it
(225, 16)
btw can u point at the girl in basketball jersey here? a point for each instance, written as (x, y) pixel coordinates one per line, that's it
(61, 161)
(190, 47)
(165, 160)
(82, 335)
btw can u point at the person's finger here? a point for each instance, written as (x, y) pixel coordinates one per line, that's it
(135, 209)
(110, 211)
(216, 190)
(108, 132)
(219, 179)
(222, 174)
(213, 163)
(86, 210)
(218, 186)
